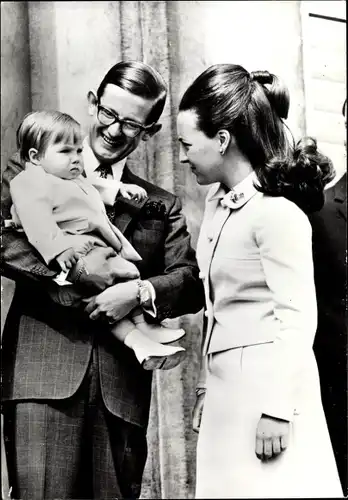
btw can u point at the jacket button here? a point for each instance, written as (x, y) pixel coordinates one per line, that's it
(201, 276)
(206, 314)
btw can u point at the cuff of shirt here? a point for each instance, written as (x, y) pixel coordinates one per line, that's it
(108, 189)
(151, 308)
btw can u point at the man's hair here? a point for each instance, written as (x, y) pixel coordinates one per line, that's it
(41, 128)
(139, 79)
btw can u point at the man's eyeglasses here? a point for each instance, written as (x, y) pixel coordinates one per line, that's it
(129, 128)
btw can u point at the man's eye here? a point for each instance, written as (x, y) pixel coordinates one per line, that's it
(131, 125)
(107, 113)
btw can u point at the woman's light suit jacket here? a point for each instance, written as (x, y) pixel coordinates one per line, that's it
(255, 257)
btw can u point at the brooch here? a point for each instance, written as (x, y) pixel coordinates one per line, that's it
(155, 210)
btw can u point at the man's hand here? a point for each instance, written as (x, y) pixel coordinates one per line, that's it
(197, 412)
(104, 267)
(114, 303)
(272, 437)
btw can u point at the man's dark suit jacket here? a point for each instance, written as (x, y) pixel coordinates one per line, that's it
(47, 347)
(330, 346)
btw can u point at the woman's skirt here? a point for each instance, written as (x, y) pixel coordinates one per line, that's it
(227, 466)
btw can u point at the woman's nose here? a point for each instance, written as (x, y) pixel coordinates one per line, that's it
(182, 156)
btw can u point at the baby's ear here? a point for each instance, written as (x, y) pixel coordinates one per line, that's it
(34, 156)
(152, 131)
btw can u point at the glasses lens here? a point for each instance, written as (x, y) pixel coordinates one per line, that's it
(130, 129)
(105, 116)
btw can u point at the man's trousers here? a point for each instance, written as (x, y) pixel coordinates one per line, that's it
(73, 448)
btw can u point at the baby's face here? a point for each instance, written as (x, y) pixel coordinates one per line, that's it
(63, 160)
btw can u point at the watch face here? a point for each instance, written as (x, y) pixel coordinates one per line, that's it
(144, 294)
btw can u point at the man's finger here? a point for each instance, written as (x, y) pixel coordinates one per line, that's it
(94, 314)
(62, 266)
(90, 306)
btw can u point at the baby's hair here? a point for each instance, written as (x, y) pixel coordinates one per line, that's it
(41, 128)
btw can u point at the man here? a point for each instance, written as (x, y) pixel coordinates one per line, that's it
(330, 346)
(76, 401)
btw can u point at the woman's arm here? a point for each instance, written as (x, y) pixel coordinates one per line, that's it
(284, 239)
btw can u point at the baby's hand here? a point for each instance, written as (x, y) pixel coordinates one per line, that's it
(67, 259)
(132, 191)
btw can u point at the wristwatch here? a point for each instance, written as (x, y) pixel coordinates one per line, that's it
(144, 297)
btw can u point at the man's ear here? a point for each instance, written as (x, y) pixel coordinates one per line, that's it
(225, 139)
(152, 131)
(34, 156)
(92, 102)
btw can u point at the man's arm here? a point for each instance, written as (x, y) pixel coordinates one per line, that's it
(179, 289)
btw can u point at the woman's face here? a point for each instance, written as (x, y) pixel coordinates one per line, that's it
(197, 150)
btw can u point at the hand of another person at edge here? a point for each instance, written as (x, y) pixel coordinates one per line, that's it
(104, 267)
(272, 437)
(197, 412)
(114, 303)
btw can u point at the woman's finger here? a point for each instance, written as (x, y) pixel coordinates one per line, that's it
(259, 447)
(284, 441)
(267, 448)
(276, 446)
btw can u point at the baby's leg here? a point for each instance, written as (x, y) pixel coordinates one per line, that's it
(157, 333)
(151, 355)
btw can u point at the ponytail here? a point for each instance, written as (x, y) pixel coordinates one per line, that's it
(300, 178)
(277, 94)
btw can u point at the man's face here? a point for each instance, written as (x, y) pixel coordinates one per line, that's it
(109, 143)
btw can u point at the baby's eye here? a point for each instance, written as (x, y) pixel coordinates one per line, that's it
(79, 151)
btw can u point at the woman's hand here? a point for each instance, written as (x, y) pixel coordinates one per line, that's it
(114, 303)
(197, 412)
(272, 437)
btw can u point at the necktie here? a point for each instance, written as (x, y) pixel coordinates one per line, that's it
(104, 171)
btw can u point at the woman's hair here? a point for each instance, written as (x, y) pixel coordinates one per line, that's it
(41, 128)
(252, 106)
(139, 79)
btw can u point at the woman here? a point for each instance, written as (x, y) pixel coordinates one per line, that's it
(263, 431)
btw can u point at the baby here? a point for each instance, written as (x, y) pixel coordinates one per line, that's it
(64, 217)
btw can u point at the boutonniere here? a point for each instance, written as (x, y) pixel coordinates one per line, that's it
(154, 210)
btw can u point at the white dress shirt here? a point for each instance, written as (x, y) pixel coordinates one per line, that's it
(109, 187)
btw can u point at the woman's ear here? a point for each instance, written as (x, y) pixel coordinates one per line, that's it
(152, 131)
(34, 156)
(224, 137)
(92, 102)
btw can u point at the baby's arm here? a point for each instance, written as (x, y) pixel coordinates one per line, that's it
(32, 198)
(132, 191)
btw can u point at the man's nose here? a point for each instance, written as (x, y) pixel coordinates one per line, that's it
(115, 129)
